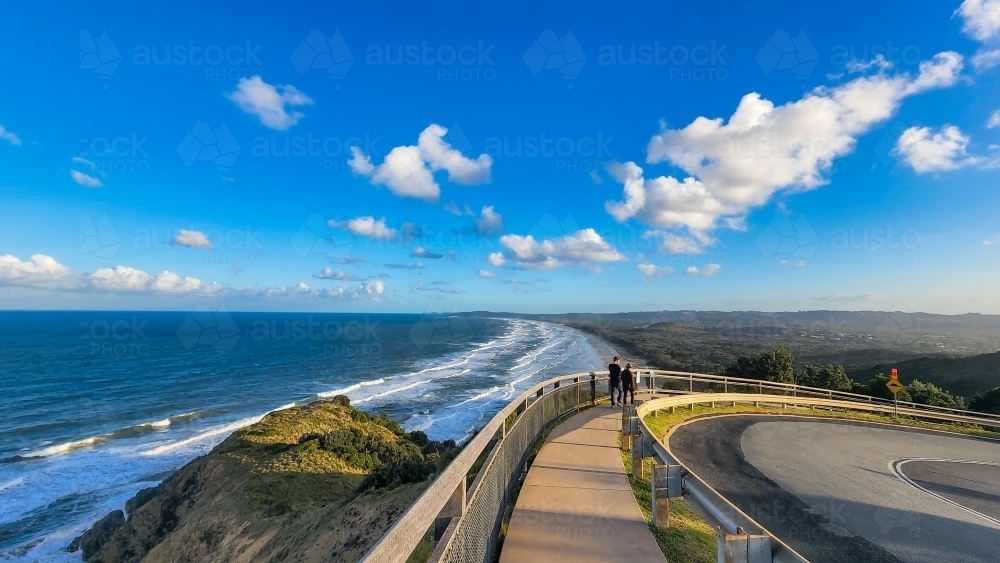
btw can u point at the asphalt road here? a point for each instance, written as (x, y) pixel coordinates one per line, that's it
(842, 491)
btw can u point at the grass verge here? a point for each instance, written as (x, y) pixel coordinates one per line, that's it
(688, 539)
(664, 421)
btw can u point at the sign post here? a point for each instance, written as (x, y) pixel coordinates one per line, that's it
(895, 386)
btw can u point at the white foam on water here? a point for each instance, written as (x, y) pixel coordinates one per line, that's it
(454, 394)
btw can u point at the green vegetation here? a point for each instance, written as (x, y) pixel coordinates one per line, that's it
(773, 365)
(688, 539)
(328, 452)
(967, 377)
(776, 365)
(830, 376)
(987, 402)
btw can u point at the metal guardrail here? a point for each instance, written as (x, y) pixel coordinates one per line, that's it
(465, 518)
(718, 511)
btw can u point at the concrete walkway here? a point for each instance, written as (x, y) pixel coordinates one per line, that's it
(576, 504)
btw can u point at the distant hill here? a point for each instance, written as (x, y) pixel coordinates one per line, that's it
(968, 376)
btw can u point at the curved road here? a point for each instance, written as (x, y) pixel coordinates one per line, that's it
(843, 491)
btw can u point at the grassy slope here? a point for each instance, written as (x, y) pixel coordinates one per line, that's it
(263, 496)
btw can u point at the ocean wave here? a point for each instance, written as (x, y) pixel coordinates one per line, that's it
(131, 431)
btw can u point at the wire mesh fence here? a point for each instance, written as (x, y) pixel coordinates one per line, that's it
(476, 537)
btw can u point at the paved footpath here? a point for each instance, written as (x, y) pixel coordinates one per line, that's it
(576, 503)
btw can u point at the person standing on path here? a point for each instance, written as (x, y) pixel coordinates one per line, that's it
(628, 384)
(615, 382)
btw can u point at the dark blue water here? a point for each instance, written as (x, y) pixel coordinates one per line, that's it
(96, 405)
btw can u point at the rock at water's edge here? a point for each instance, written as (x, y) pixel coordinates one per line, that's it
(93, 539)
(140, 498)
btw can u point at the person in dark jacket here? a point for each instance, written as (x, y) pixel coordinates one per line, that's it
(615, 382)
(628, 384)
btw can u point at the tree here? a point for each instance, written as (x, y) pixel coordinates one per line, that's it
(988, 402)
(775, 365)
(877, 388)
(830, 376)
(930, 394)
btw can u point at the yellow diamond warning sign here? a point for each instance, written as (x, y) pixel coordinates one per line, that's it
(894, 385)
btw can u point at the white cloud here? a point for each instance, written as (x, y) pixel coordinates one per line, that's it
(489, 222)
(85, 179)
(849, 297)
(40, 270)
(994, 120)
(408, 171)
(878, 61)
(981, 19)
(407, 266)
(496, 259)
(486, 274)
(421, 252)
(453, 208)
(707, 270)
(124, 278)
(367, 227)
(340, 275)
(733, 167)
(929, 151)
(268, 102)
(83, 161)
(449, 290)
(192, 239)
(651, 270)
(582, 246)
(9, 136)
(369, 290)
(985, 59)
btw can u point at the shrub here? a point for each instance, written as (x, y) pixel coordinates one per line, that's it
(830, 376)
(988, 402)
(930, 394)
(775, 365)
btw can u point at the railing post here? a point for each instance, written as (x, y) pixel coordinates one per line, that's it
(593, 388)
(637, 458)
(725, 385)
(626, 429)
(742, 547)
(690, 383)
(666, 483)
(576, 383)
(455, 508)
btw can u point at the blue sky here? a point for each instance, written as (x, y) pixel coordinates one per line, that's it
(510, 157)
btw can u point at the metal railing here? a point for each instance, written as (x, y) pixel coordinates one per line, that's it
(718, 511)
(465, 518)
(699, 382)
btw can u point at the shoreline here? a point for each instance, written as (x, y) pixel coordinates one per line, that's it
(606, 350)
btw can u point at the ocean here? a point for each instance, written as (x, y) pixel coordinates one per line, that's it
(97, 405)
